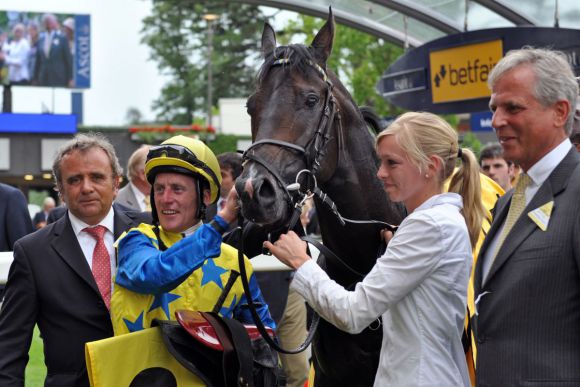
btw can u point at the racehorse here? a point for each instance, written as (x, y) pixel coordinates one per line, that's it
(307, 129)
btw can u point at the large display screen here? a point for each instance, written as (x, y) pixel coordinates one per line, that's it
(45, 49)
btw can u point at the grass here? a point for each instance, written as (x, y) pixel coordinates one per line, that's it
(35, 370)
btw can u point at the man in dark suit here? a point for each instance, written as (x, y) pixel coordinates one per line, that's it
(527, 278)
(53, 65)
(61, 275)
(135, 194)
(41, 217)
(14, 217)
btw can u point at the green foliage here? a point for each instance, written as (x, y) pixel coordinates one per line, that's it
(225, 143)
(178, 37)
(357, 58)
(35, 370)
(470, 140)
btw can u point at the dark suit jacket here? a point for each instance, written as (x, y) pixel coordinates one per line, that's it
(51, 284)
(14, 217)
(127, 197)
(57, 69)
(528, 327)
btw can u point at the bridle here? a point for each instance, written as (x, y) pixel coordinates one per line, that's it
(313, 152)
(316, 147)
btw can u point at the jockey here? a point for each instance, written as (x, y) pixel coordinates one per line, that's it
(178, 262)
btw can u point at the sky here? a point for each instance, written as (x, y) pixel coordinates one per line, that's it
(122, 74)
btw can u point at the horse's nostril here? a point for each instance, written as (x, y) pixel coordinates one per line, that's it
(266, 190)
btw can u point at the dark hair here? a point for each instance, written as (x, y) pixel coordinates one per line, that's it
(492, 151)
(231, 161)
(83, 143)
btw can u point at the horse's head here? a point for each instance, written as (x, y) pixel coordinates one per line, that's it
(293, 114)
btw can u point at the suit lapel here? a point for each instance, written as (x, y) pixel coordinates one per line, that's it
(67, 247)
(524, 227)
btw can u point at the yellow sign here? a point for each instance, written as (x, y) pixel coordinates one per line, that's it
(461, 73)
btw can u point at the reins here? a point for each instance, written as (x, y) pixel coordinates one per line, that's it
(317, 143)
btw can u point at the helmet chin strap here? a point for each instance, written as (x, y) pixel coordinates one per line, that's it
(201, 207)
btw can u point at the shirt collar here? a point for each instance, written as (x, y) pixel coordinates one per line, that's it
(138, 194)
(78, 225)
(444, 198)
(541, 170)
(192, 229)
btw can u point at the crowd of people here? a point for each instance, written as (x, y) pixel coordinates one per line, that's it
(38, 52)
(116, 259)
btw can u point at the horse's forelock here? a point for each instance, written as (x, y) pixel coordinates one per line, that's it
(298, 56)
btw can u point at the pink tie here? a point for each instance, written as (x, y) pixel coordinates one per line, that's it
(101, 263)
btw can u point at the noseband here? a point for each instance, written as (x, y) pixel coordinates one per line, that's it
(315, 149)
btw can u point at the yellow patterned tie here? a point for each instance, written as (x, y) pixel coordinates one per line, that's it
(517, 206)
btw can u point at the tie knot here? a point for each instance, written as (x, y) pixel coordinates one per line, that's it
(524, 181)
(96, 232)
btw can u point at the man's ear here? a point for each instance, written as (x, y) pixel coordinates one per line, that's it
(206, 197)
(561, 112)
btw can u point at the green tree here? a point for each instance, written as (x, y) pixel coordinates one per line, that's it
(178, 37)
(359, 59)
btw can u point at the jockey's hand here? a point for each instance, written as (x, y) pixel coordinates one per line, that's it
(289, 249)
(230, 211)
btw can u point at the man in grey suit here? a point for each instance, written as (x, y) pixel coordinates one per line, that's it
(61, 275)
(135, 194)
(527, 279)
(53, 64)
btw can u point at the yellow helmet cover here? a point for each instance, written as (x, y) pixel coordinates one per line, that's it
(185, 153)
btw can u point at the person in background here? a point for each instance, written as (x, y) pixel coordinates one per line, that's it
(177, 262)
(61, 275)
(14, 219)
(230, 168)
(527, 283)
(135, 194)
(33, 37)
(54, 65)
(419, 285)
(15, 56)
(40, 218)
(495, 166)
(68, 29)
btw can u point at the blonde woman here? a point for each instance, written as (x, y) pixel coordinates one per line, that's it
(419, 285)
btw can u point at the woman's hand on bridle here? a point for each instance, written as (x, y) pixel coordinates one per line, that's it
(289, 249)
(386, 235)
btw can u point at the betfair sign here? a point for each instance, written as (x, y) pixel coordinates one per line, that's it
(461, 72)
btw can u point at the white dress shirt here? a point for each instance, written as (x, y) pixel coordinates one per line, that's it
(17, 60)
(538, 173)
(88, 243)
(140, 197)
(419, 287)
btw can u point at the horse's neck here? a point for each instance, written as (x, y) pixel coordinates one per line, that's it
(358, 195)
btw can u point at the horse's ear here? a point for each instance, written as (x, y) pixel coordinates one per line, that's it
(268, 40)
(322, 43)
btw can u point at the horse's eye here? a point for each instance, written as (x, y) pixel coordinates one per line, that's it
(312, 100)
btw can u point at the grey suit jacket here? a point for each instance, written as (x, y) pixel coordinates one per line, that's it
(50, 284)
(528, 324)
(127, 197)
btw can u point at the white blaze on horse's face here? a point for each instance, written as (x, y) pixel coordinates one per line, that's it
(402, 180)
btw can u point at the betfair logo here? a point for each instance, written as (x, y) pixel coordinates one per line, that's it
(461, 73)
(475, 72)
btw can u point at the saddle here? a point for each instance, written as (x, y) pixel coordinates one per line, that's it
(221, 351)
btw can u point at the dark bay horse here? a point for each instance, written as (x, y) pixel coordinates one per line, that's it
(303, 118)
